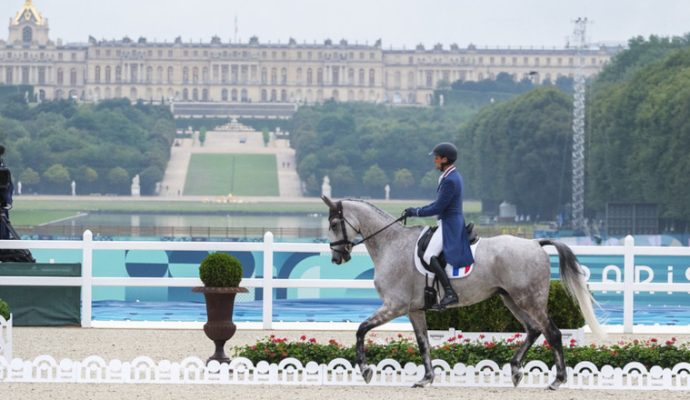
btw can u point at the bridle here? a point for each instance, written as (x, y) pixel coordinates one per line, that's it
(337, 212)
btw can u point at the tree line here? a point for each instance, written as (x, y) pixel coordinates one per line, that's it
(517, 148)
(362, 148)
(100, 147)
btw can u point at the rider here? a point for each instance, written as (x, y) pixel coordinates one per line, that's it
(451, 236)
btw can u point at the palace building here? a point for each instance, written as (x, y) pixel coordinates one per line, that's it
(255, 72)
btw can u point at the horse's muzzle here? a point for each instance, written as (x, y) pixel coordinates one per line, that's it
(338, 258)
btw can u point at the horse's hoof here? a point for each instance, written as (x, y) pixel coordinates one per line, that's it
(555, 385)
(367, 374)
(423, 383)
(517, 377)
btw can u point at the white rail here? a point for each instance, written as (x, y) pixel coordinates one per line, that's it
(627, 280)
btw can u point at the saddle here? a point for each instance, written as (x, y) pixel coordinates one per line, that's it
(424, 240)
(431, 291)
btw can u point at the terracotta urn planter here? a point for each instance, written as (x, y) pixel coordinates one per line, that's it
(219, 327)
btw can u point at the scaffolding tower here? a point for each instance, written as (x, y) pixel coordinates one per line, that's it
(578, 153)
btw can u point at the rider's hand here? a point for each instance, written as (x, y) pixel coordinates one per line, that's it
(410, 212)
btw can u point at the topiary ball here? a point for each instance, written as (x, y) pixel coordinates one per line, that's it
(4, 310)
(220, 270)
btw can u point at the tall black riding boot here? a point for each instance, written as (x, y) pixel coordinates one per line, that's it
(449, 295)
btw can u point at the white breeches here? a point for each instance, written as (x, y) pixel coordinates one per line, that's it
(435, 244)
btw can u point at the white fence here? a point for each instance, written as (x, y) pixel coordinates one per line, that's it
(6, 337)
(338, 372)
(627, 278)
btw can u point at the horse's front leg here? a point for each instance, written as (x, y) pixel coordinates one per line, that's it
(418, 320)
(380, 317)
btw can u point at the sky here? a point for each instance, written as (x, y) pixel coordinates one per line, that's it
(398, 23)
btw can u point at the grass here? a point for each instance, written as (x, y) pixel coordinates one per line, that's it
(39, 210)
(38, 217)
(236, 174)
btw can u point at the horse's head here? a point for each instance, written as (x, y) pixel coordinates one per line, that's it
(340, 230)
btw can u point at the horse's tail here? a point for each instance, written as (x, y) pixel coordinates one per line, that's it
(573, 278)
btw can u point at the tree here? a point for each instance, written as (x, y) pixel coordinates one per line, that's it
(57, 178)
(266, 136)
(375, 179)
(202, 135)
(343, 180)
(403, 179)
(430, 180)
(30, 179)
(85, 176)
(118, 181)
(149, 177)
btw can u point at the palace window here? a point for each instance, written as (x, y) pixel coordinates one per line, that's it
(309, 76)
(134, 73)
(97, 74)
(27, 34)
(372, 77)
(107, 74)
(73, 77)
(361, 77)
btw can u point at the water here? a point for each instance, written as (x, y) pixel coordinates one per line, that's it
(338, 310)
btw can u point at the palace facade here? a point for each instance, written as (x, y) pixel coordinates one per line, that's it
(255, 72)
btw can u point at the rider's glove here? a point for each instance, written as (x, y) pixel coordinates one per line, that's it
(410, 212)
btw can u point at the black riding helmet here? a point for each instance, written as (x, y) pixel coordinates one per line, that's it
(447, 150)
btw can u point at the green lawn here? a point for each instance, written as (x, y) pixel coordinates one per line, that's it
(236, 174)
(37, 217)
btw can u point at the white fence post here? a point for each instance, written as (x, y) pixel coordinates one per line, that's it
(628, 283)
(6, 339)
(86, 276)
(268, 281)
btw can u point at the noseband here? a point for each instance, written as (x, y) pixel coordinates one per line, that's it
(338, 213)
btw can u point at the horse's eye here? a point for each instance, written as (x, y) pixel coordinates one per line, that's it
(333, 226)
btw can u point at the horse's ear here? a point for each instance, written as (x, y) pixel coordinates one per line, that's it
(328, 202)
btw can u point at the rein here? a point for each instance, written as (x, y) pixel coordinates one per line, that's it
(339, 213)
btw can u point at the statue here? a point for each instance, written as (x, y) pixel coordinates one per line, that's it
(326, 187)
(19, 187)
(387, 189)
(73, 185)
(136, 188)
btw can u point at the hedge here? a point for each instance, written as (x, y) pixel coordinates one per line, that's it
(492, 315)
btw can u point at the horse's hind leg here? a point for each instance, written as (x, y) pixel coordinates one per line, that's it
(555, 340)
(418, 320)
(532, 331)
(380, 317)
(534, 316)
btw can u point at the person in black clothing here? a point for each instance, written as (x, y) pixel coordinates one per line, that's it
(6, 192)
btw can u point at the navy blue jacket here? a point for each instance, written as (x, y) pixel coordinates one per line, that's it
(448, 207)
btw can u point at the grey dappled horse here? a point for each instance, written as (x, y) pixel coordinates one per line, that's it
(517, 269)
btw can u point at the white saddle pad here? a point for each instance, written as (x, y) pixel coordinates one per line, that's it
(451, 271)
